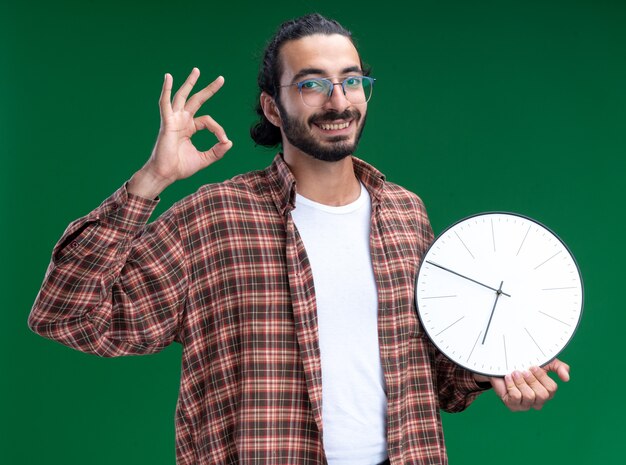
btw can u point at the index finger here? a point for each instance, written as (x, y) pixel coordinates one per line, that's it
(198, 99)
(180, 97)
(164, 101)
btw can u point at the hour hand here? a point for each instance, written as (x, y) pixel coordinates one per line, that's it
(499, 291)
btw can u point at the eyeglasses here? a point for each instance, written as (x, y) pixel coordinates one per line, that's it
(316, 92)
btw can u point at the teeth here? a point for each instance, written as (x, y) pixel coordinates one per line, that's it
(334, 127)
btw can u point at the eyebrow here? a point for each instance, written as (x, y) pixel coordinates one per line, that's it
(308, 71)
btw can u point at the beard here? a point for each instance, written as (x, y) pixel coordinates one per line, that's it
(337, 148)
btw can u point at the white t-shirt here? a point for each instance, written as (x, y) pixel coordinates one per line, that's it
(354, 403)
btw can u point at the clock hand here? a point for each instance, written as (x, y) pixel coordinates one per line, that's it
(469, 279)
(498, 293)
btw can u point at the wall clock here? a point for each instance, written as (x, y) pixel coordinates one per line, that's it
(499, 292)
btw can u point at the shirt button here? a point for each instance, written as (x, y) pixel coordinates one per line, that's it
(114, 206)
(74, 244)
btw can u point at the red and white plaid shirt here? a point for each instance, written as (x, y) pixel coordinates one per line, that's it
(225, 273)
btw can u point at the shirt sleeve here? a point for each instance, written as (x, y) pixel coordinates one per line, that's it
(115, 285)
(456, 386)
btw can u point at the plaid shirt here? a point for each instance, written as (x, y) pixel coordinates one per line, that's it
(225, 273)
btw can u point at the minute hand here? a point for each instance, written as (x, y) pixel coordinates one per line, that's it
(465, 277)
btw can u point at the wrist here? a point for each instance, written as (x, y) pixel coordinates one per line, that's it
(144, 183)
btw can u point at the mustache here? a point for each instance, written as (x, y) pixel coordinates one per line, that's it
(348, 113)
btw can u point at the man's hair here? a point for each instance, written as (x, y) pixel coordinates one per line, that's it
(264, 132)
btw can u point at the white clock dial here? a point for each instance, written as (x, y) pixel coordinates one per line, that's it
(499, 292)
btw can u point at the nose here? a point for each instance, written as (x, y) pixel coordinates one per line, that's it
(337, 100)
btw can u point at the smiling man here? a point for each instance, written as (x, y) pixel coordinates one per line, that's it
(290, 289)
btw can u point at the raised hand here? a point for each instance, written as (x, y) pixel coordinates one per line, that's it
(174, 156)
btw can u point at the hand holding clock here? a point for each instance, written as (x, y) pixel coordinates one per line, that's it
(539, 303)
(522, 391)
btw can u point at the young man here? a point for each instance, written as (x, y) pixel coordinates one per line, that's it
(290, 289)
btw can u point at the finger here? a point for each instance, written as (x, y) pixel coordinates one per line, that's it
(499, 386)
(528, 395)
(198, 99)
(217, 151)
(563, 372)
(206, 122)
(181, 96)
(560, 368)
(164, 101)
(548, 383)
(512, 396)
(541, 384)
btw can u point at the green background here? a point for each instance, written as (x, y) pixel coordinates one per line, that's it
(479, 105)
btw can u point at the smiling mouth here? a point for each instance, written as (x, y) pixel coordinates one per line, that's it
(333, 126)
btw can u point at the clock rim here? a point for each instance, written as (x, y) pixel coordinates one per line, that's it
(498, 212)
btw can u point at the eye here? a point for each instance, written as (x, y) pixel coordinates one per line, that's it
(353, 82)
(313, 85)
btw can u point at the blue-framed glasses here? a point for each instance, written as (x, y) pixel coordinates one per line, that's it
(316, 92)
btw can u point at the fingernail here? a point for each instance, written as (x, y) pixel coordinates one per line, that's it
(517, 375)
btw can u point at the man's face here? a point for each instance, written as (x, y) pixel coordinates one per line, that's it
(330, 132)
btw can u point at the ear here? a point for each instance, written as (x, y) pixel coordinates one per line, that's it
(270, 109)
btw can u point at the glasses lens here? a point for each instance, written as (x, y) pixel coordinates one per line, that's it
(358, 89)
(315, 91)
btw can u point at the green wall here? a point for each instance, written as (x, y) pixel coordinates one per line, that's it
(479, 105)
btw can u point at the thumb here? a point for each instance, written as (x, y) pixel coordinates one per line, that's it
(217, 151)
(499, 386)
(560, 368)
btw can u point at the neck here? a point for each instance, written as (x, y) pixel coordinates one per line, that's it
(328, 183)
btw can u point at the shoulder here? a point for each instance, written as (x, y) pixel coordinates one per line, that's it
(402, 200)
(406, 215)
(243, 191)
(251, 184)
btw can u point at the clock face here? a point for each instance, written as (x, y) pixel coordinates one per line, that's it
(499, 292)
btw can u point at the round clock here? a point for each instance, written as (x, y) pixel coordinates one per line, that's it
(499, 292)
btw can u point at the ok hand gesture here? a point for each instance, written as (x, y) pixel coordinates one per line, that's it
(174, 156)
